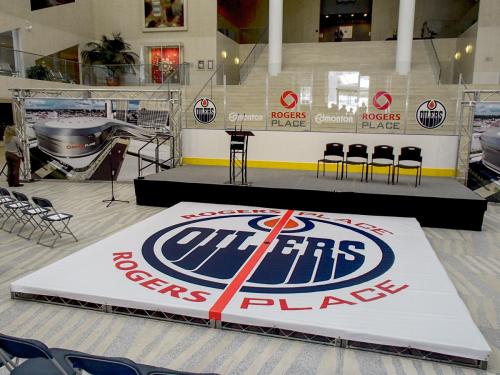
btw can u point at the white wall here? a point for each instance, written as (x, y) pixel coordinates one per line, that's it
(53, 29)
(198, 41)
(438, 151)
(231, 69)
(487, 57)
(465, 65)
(301, 21)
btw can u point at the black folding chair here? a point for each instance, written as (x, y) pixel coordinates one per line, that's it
(333, 154)
(53, 219)
(5, 198)
(39, 358)
(410, 158)
(31, 216)
(383, 156)
(13, 210)
(357, 154)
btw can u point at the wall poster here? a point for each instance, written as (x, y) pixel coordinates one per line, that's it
(165, 15)
(79, 140)
(165, 64)
(484, 163)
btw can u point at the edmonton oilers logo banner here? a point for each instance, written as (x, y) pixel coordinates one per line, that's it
(431, 114)
(204, 111)
(264, 257)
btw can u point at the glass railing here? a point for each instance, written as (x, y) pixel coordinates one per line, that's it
(28, 65)
(251, 59)
(322, 98)
(135, 75)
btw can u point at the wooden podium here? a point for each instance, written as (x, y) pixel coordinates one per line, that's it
(238, 148)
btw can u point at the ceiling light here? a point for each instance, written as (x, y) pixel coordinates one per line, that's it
(327, 16)
(237, 60)
(469, 48)
(340, 15)
(352, 14)
(365, 15)
(224, 54)
(458, 56)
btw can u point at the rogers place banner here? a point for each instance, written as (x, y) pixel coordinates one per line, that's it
(363, 278)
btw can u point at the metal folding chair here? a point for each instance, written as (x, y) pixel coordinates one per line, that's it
(52, 220)
(13, 210)
(5, 198)
(31, 216)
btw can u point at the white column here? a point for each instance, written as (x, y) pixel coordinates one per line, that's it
(405, 36)
(275, 36)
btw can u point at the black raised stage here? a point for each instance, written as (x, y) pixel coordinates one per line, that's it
(437, 202)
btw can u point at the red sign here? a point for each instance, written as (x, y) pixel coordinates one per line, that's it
(382, 100)
(164, 62)
(289, 99)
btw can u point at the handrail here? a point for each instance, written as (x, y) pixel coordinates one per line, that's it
(255, 54)
(438, 61)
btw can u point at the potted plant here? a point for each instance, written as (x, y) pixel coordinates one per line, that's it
(39, 72)
(114, 53)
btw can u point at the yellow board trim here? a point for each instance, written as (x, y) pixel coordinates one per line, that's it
(430, 172)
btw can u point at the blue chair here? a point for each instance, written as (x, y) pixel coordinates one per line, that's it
(97, 365)
(40, 360)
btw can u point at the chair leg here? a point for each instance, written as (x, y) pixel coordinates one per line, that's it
(317, 170)
(337, 175)
(416, 177)
(420, 178)
(389, 175)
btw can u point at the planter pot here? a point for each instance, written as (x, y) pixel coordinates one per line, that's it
(113, 81)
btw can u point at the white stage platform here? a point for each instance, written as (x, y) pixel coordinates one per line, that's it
(363, 282)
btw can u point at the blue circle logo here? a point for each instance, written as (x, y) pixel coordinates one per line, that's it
(308, 254)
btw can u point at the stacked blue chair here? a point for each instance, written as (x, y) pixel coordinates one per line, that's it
(39, 358)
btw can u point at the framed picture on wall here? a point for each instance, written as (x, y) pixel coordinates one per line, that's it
(201, 64)
(165, 61)
(165, 15)
(210, 64)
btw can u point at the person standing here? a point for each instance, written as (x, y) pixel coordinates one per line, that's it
(13, 155)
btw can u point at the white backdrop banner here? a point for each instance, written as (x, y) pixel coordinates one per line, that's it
(363, 278)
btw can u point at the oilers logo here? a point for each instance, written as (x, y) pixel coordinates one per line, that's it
(205, 111)
(308, 254)
(431, 114)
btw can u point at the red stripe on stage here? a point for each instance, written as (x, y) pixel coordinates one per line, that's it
(216, 310)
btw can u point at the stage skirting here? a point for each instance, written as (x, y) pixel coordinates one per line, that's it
(365, 282)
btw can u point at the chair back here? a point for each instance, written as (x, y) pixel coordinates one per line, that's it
(42, 202)
(357, 150)
(411, 153)
(20, 196)
(24, 348)
(334, 149)
(4, 192)
(102, 365)
(383, 152)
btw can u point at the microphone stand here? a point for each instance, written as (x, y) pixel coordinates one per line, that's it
(112, 175)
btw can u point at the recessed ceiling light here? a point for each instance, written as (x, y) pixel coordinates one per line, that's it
(352, 15)
(327, 16)
(340, 15)
(365, 15)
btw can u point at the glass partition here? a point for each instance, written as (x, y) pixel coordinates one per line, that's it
(324, 99)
